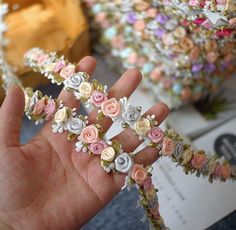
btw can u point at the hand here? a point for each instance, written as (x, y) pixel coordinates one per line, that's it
(46, 184)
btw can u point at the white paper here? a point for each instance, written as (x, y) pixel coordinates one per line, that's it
(188, 202)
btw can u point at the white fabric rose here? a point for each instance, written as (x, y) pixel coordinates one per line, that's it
(74, 81)
(123, 163)
(76, 125)
(131, 114)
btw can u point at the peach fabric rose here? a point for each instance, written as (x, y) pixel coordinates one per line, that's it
(211, 57)
(139, 174)
(198, 160)
(156, 74)
(39, 107)
(226, 171)
(139, 25)
(168, 147)
(89, 134)
(111, 108)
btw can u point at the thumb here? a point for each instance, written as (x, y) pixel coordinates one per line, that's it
(11, 114)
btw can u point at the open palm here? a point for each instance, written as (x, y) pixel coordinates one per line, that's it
(46, 184)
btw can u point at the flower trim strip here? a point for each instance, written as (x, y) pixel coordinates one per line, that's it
(60, 71)
(196, 161)
(41, 108)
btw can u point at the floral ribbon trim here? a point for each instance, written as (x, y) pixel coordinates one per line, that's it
(90, 138)
(60, 71)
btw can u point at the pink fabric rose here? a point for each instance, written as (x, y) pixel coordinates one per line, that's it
(226, 171)
(42, 58)
(39, 107)
(96, 148)
(198, 160)
(59, 66)
(98, 98)
(194, 3)
(139, 174)
(111, 108)
(156, 134)
(68, 71)
(50, 109)
(89, 134)
(147, 184)
(168, 147)
(217, 170)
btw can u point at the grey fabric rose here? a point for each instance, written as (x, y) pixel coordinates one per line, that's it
(131, 114)
(152, 203)
(179, 148)
(74, 81)
(123, 163)
(75, 125)
(33, 101)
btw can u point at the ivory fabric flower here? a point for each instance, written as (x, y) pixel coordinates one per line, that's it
(131, 114)
(168, 147)
(39, 107)
(86, 89)
(50, 109)
(98, 98)
(142, 127)
(139, 174)
(61, 115)
(74, 81)
(111, 108)
(150, 194)
(187, 155)
(156, 134)
(67, 71)
(123, 163)
(75, 125)
(89, 134)
(108, 154)
(97, 147)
